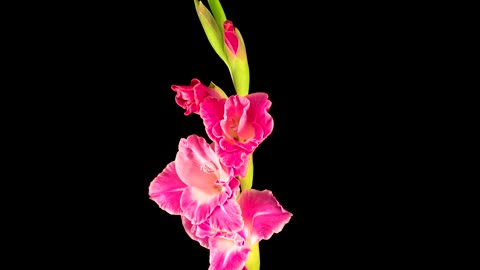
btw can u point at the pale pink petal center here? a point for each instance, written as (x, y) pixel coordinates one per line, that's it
(198, 165)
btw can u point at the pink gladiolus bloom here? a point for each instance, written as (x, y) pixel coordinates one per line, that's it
(190, 97)
(196, 184)
(230, 37)
(262, 215)
(237, 125)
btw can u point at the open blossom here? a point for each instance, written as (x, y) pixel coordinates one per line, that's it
(262, 215)
(195, 184)
(237, 125)
(191, 96)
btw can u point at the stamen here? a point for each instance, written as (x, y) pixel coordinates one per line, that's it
(209, 167)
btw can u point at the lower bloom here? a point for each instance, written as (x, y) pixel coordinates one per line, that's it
(262, 216)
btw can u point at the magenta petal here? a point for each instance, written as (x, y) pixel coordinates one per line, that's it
(236, 113)
(235, 123)
(202, 92)
(238, 160)
(166, 190)
(192, 232)
(262, 213)
(204, 230)
(185, 97)
(197, 206)
(260, 105)
(226, 254)
(227, 217)
(211, 112)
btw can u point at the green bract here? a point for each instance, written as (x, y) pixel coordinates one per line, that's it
(239, 68)
(213, 32)
(218, 12)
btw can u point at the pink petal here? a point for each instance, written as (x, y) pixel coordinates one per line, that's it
(262, 213)
(185, 97)
(166, 190)
(192, 231)
(227, 217)
(199, 166)
(202, 92)
(197, 206)
(226, 254)
(211, 112)
(238, 160)
(204, 230)
(260, 105)
(223, 223)
(235, 124)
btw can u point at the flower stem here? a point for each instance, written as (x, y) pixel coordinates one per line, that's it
(253, 261)
(246, 182)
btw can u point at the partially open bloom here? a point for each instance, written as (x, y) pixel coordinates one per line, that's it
(231, 39)
(262, 215)
(236, 57)
(195, 184)
(191, 96)
(237, 125)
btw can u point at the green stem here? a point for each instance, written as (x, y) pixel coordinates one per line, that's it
(247, 181)
(253, 261)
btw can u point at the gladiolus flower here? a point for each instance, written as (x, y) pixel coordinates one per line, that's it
(196, 184)
(190, 97)
(237, 125)
(262, 215)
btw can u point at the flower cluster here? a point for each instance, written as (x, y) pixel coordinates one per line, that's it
(208, 184)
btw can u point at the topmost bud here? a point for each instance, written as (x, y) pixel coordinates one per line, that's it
(231, 39)
(237, 57)
(227, 42)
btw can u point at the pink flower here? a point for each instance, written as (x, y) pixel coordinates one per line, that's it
(190, 97)
(196, 184)
(262, 217)
(237, 125)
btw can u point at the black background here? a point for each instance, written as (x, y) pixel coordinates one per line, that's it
(107, 124)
